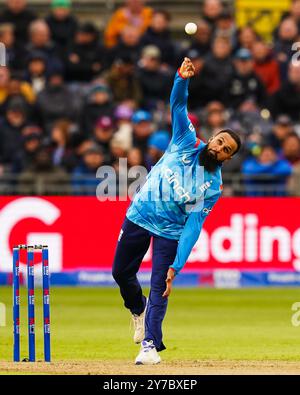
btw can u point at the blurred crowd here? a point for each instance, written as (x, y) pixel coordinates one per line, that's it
(73, 98)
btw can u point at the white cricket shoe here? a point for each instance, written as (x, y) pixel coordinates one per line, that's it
(148, 354)
(139, 326)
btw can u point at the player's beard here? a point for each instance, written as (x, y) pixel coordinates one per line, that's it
(207, 160)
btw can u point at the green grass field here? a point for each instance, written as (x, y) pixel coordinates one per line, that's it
(91, 324)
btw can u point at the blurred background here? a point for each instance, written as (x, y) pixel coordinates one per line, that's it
(88, 82)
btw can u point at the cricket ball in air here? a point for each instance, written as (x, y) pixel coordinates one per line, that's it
(190, 28)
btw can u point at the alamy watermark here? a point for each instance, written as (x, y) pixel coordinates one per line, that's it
(296, 56)
(296, 316)
(295, 59)
(164, 183)
(2, 314)
(2, 54)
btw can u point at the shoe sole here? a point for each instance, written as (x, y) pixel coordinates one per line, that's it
(141, 363)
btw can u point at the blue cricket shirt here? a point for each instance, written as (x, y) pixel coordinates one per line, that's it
(178, 193)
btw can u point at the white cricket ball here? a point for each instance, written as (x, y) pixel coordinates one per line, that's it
(190, 28)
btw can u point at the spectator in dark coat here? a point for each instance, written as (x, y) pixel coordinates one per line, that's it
(226, 27)
(84, 179)
(201, 40)
(293, 12)
(287, 99)
(56, 102)
(283, 126)
(159, 34)
(155, 83)
(288, 33)
(17, 13)
(41, 177)
(98, 103)
(62, 24)
(31, 143)
(244, 84)
(15, 54)
(60, 145)
(85, 57)
(212, 9)
(103, 134)
(218, 66)
(40, 41)
(129, 45)
(10, 130)
(202, 88)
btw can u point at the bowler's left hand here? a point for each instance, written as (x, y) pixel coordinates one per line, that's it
(169, 280)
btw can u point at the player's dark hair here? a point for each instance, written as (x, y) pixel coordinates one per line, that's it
(235, 137)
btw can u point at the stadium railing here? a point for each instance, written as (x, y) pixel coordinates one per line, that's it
(235, 184)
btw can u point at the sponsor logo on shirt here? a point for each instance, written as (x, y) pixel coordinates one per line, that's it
(173, 180)
(185, 160)
(205, 186)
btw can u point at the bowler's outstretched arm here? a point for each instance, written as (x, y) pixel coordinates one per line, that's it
(183, 131)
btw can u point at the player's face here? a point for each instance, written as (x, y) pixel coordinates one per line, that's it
(221, 147)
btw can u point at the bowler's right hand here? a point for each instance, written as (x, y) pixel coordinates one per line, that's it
(187, 69)
(169, 280)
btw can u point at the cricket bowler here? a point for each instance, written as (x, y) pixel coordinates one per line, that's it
(171, 207)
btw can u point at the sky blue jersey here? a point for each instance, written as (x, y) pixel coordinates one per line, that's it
(178, 193)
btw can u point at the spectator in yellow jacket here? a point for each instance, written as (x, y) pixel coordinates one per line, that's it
(133, 13)
(13, 85)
